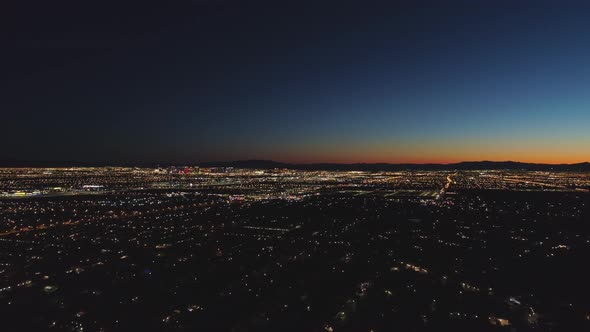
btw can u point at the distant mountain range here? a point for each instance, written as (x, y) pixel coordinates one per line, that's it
(466, 165)
(269, 164)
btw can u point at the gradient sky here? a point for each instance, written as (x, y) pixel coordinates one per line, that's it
(345, 81)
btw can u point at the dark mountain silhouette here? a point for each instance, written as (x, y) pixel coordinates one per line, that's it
(269, 164)
(467, 165)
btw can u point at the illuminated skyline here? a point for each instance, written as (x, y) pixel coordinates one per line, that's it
(343, 82)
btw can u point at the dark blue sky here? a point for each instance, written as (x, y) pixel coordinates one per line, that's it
(346, 81)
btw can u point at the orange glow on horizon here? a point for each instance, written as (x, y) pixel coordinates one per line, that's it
(445, 151)
(530, 156)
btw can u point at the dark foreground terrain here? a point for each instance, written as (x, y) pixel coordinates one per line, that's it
(294, 251)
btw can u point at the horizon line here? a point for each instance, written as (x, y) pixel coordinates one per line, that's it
(73, 163)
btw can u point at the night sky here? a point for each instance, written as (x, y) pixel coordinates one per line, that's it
(344, 81)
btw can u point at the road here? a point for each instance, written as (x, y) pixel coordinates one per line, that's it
(447, 186)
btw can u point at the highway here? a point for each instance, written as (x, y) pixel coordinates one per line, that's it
(447, 186)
